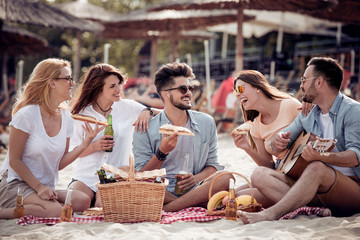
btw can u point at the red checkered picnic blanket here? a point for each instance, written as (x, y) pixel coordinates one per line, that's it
(192, 214)
(53, 220)
(317, 211)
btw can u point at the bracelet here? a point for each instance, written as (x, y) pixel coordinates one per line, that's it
(36, 187)
(150, 111)
(160, 155)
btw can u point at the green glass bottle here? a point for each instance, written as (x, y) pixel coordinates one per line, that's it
(109, 131)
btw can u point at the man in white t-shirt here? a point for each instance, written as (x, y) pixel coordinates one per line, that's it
(330, 180)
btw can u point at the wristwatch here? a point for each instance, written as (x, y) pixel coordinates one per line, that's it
(160, 155)
(150, 111)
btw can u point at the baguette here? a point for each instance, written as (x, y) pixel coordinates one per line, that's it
(89, 119)
(170, 129)
(243, 128)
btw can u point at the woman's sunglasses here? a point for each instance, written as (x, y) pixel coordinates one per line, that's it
(238, 89)
(183, 89)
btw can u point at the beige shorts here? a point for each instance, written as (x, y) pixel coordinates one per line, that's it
(8, 191)
(343, 198)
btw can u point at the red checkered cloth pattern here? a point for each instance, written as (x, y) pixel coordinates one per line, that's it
(54, 220)
(192, 214)
(303, 211)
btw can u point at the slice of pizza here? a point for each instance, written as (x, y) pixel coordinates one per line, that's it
(170, 129)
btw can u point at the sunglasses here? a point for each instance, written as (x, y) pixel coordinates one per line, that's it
(69, 79)
(238, 89)
(183, 89)
(303, 79)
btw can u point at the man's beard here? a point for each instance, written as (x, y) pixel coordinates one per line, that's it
(309, 97)
(179, 105)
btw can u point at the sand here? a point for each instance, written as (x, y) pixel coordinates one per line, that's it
(303, 227)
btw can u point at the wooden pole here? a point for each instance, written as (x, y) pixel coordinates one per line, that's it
(239, 58)
(153, 58)
(77, 62)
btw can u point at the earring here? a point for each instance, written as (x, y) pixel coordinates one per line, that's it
(257, 90)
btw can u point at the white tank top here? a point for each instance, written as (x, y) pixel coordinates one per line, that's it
(328, 132)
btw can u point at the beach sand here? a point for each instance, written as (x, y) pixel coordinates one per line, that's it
(234, 159)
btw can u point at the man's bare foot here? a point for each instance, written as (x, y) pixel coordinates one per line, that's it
(249, 217)
(325, 213)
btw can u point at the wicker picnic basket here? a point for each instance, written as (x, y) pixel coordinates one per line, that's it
(132, 200)
(252, 207)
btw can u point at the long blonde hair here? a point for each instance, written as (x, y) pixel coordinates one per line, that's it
(37, 89)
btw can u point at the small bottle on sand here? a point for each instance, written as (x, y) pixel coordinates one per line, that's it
(66, 211)
(231, 208)
(19, 210)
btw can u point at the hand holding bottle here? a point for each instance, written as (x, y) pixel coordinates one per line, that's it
(109, 134)
(103, 143)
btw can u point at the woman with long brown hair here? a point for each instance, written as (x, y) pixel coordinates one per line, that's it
(40, 132)
(268, 108)
(98, 96)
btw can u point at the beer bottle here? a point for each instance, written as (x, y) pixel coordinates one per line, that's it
(109, 131)
(231, 208)
(158, 180)
(19, 210)
(66, 211)
(178, 190)
(101, 174)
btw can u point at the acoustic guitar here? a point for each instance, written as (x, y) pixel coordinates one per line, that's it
(293, 164)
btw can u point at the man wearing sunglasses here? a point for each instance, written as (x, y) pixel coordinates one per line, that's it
(330, 180)
(197, 154)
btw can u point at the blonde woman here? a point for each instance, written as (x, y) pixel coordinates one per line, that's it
(40, 132)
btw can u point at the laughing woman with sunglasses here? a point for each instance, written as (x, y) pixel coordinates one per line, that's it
(40, 132)
(268, 108)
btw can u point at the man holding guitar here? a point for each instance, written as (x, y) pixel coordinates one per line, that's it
(329, 180)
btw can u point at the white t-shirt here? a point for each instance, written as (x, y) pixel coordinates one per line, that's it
(124, 114)
(42, 154)
(328, 132)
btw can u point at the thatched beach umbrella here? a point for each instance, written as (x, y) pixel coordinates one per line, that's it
(85, 10)
(154, 36)
(346, 11)
(169, 23)
(36, 12)
(300, 6)
(16, 41)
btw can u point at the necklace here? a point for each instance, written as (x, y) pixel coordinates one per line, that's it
(104, 111)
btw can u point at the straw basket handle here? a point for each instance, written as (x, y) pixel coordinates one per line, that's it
(131, 168)
(225, 173)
